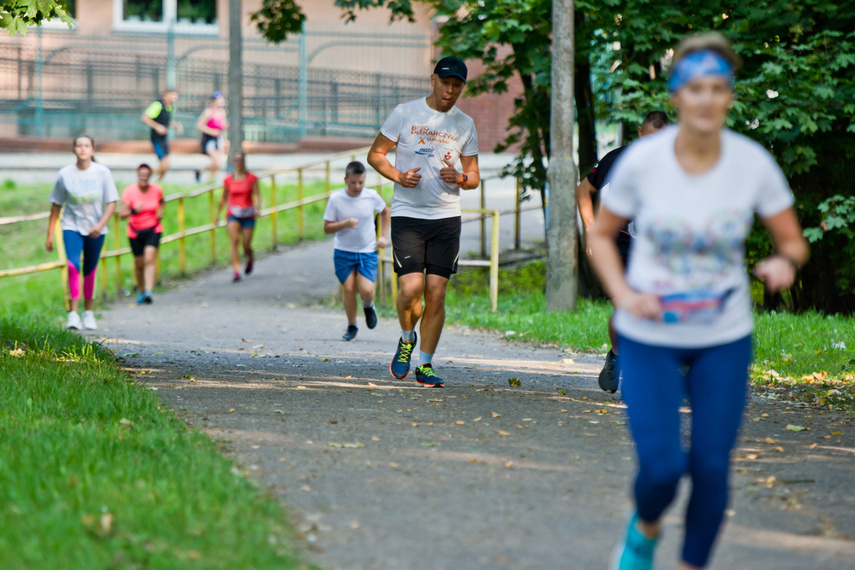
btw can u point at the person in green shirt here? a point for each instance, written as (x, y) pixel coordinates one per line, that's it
(158, 116)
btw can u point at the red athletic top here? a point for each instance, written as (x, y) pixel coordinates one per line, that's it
(146, 204)
(240, 195)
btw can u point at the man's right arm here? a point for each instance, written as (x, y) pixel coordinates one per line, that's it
(378, 160)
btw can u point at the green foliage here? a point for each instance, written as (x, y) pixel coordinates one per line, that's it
(95, 473)
(278, 18)
(838, 229)
(18, 15)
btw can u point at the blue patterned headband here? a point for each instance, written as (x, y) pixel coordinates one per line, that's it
(697, 64)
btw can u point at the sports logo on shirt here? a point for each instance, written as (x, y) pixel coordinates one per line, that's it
(447, 156)
(425, 151)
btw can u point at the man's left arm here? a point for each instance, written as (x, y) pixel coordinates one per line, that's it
(468, 179)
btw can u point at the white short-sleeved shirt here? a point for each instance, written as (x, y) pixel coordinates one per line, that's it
(425, 137)
(690, 236)
(84, 193)
(341, 206)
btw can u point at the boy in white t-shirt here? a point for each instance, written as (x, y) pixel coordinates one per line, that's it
(350, 216)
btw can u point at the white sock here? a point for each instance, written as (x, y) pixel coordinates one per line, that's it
(408, 336)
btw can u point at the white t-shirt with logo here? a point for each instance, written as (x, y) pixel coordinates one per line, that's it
(341, 206)
(84, 193)
(690, 236)
(425, 137)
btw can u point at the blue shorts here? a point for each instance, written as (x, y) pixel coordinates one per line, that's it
(161, 148)
(364, 263)
(244, 222)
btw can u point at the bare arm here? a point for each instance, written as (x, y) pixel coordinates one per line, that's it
(256, 198)
(202, 124)
(791, 251)
(158, 128)
(125, 211)
(607, 263)
(584, 191)
(55, 209)
(223, 200)
(385, 224)
(468, 179)
(333, 227)
(109, 210)
(379, 162)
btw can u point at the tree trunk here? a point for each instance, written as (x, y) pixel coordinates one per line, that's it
(235, 79)
(561, 235)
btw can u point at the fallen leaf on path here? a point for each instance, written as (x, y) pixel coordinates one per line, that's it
(813, 446)
(779, 449)
(393, 465)
(503, 432)
(345, 444)
(375, 438)
(305, 488)
(603, 411)
(770, 441)
(837, 433)
(478, 419)
(428, 444)
(434, 400)
(495, 415)
(278, 411)
(509, 464)
(474, 461)
(514, 382)
(751, 457)
(414, 424)
(792, 427)
(354, 525)
(460, 423)
(563, 412)
(232, 411)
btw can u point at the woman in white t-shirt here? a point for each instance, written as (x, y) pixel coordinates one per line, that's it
(88, 194)
(684, 306)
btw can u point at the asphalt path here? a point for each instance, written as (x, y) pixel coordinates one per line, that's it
(378, 473)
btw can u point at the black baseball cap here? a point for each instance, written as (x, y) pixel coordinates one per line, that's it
(451, 67)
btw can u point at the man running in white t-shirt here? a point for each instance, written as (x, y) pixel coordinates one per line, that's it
(431, 135)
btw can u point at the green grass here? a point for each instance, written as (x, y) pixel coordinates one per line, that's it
(41, 294)
(95, 473)
(800, 356)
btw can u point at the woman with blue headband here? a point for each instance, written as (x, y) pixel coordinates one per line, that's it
(684, 304)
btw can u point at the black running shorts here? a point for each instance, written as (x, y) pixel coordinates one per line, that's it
(429, 246)
(145, 238)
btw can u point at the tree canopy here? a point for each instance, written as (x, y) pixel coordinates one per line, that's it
(17, 16)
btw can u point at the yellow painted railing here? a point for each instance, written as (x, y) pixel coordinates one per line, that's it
(272, 211)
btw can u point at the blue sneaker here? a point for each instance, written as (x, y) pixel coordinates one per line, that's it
(400, 366)
(426, 377)
(140, 298)
(636, 553)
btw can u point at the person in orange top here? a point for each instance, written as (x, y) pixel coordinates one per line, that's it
(240, 190)
(143, 206)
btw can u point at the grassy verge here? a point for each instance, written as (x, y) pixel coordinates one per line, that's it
(95, 473)
(809, 357)
(41, 294)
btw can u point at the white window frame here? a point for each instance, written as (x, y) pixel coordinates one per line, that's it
(170, 13)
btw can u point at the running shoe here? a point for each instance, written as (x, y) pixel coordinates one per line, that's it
(249, 265)
(426, 377)
(400, 366)
(89, 321)
(370, 316)
(636, 553)
(351, 332)
(236, 278)
(74, 321)
(147, 299)
(140, 298)
(610, 374)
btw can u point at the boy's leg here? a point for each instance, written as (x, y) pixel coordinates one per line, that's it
(366, 290)
(349, 297)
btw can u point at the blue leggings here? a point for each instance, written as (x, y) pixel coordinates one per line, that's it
(655, 380)
(76, 243)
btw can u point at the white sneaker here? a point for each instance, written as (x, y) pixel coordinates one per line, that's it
(73, 321)
(89, 320)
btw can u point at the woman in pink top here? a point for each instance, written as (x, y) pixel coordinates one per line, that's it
(143, 203)
(212, 122)
(240, 190)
